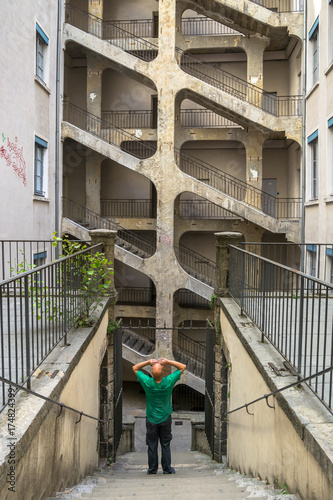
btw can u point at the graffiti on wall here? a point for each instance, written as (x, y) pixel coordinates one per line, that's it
(13, 155)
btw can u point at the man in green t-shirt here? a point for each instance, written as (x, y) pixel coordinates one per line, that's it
(158, 391)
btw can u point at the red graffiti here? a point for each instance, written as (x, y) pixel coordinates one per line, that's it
(14, 158)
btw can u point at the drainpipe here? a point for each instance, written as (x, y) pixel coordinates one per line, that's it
(57, 134)
(304, 136)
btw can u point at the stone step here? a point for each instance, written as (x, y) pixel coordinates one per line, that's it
(197, 477)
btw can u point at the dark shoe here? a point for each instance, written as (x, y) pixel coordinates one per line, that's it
(171, 471)
(152, 472)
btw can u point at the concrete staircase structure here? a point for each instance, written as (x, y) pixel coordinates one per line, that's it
(197, 477)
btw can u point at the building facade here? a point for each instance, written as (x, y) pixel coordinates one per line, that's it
(178, 119)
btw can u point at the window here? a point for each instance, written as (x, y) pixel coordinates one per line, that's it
(330, 155)
(42, 42)
(314, 50)
(313, 143)
(40, 167)
(329, 253)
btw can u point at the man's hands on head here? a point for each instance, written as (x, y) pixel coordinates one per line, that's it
(153, 361)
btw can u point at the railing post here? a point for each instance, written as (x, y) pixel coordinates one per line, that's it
(107, 238)
(222, 241)
(27, 328)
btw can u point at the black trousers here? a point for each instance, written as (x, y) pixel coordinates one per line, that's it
(157, 432)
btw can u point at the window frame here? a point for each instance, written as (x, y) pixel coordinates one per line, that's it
(313, 142)
(40, 165)
(314, 41)
(42, 42)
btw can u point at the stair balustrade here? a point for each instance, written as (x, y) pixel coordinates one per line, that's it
(111, 33)
(108, 132)
(125, 238)
(196, 265)
(286, 208)
(281, 5)
(280, 106)
(281, 208)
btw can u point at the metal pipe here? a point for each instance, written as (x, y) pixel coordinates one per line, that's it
(57, 134)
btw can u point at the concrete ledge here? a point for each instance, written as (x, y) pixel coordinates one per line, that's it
(31, 412)
(312, 422)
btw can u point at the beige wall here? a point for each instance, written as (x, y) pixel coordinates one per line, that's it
(59, 453)
(319, 104)
(118, 182)
(27, 109)
(266, 444)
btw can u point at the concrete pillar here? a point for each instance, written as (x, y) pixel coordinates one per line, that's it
(254, 169)
(222, 241)
(93, 182)
(254, 48)
(95, 67)
(165, 189)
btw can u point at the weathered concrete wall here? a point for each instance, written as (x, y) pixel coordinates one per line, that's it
(53, 451)
(291, 443)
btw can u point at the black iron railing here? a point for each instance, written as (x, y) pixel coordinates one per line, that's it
(196, 265)
(293, 311)
(317, 257)
(37, 309)
(136, 295)
(125, 238)
(145, 119)
(204, 118)
(287, 208)
(282, 5)
(19, 256)
(111, 32)
(142, 28)
(187, 298)
(107, 132)
(127, 208)
(144, 327)
(203, 209)
(191, 348)
(130, 118)
(205, 26)
(280, 106)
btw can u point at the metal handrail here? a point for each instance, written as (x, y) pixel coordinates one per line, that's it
(234, 187)
(281, 5)
(205, 26)
(108, 132)
(127, 208)
(37, 309)
(239, 88)
(111, 33)
(53, 401)
(292, 310)
(266, 396)
(190, 346)
(196, 265)
(123, 236)
(204, 209)
(193, 118)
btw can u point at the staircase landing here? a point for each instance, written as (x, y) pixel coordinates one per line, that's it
(197, 477)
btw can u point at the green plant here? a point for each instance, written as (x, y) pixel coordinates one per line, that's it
(281, 486)
(109, 461)
(94, 272)
(112, 325)
(212, 301)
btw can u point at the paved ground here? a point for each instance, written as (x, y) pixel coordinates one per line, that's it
(197, 477)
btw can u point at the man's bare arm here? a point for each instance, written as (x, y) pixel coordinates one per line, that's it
(176, 364)
(138, 366)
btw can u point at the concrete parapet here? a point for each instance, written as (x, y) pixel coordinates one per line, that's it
(292, 441)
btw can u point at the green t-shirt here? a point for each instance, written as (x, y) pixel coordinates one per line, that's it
(158, 396)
